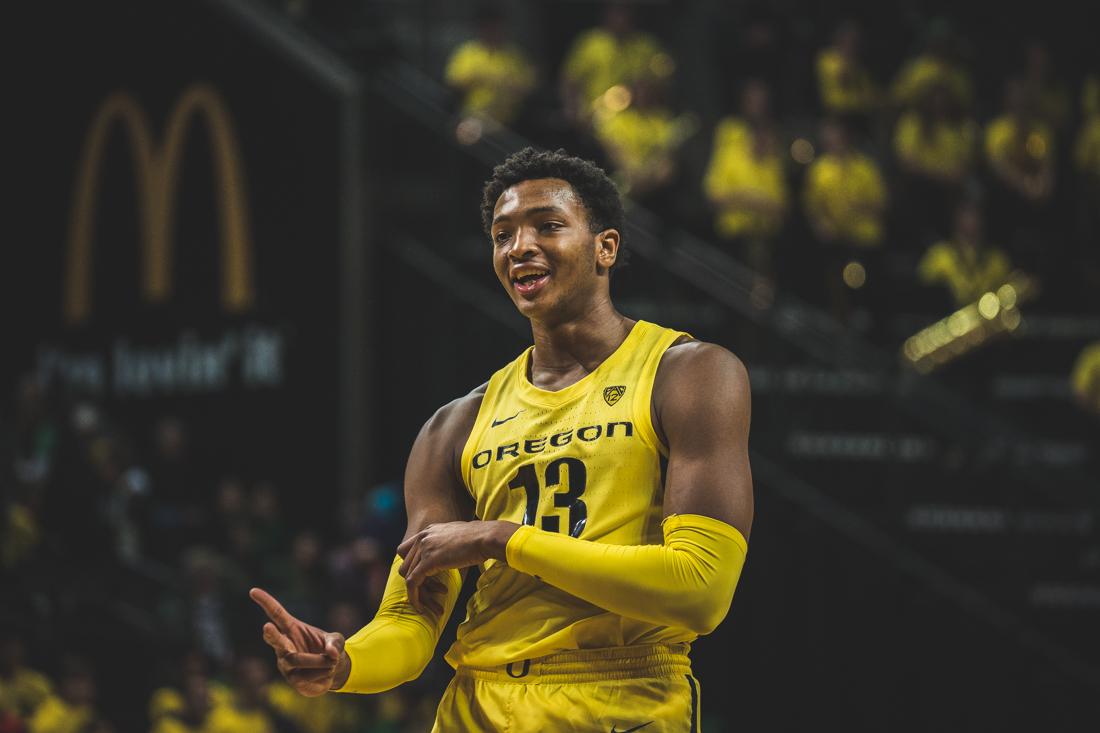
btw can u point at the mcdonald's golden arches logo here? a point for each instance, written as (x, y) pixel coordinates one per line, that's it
(156, 171)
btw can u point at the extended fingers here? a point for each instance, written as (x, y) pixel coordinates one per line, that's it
(412, 556)
(277, 641)
(429, 589)
(412, 588)
(417, 569)
(404, 547)
(420, 585)
(272, 608)
(424, 562)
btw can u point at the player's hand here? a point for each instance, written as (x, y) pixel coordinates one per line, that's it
(447, 546)
(310, 659)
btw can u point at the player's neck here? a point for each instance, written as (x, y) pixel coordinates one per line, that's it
(577, 345)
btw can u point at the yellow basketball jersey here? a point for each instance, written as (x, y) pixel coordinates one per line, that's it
(584, 461)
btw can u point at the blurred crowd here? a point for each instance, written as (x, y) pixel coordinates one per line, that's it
(107, 533)
(911, 183)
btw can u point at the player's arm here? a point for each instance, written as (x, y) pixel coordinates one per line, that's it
(399, 642)
(701, 409)
(688, 580)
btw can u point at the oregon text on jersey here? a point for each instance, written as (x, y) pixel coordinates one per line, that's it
(530, 446)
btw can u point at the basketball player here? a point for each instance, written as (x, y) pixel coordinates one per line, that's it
(600, 480)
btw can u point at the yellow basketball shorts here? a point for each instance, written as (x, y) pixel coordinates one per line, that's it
(646, 688)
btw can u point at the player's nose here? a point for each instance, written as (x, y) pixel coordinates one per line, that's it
(524, 244)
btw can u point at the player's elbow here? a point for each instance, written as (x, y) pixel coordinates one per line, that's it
(706, 560)
(702, 597)
(389, 651)
(392, 675)
(417, 652)
(410, 668)
(415, 669)
(703, 611)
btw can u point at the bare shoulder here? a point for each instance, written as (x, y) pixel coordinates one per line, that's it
(452, 423)
(434, 490)
(689, 363)
(702, 411)
(699, 386)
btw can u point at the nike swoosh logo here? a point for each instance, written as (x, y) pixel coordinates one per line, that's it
(501, 422)
(614, 729)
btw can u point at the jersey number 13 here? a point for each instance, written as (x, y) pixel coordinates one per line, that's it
(576, 477)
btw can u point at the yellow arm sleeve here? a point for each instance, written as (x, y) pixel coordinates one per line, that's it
(686, 582)
(396, 646)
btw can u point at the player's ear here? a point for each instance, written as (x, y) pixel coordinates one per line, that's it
(607, 249)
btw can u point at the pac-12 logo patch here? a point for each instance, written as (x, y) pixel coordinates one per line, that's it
(611, 395)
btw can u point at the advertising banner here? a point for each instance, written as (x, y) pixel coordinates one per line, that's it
(185, 227)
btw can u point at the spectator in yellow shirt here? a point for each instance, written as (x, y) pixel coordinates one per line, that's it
(843, 81)
(171, 700)
(251, 710)
(845, 200)
(195, 711)
(964, 264)
(936, 67)
(324, 714)
(746, 180)
(845, 193)
(614, 54)
(73, 710)
(932, 143)
(22, 689)
(935, 152)
(1085, 378)
(1020, 147)
(493, 75)
(642, 140)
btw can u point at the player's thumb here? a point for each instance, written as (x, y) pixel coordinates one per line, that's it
(334, 646)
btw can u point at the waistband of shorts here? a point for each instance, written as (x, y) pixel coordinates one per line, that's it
(590, 665)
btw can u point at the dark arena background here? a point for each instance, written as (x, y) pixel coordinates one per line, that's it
(245, 264)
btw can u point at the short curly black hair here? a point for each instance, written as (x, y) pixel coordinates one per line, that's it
(592, 185)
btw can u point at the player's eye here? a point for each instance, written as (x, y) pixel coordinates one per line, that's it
(501, 237)
(551, 226)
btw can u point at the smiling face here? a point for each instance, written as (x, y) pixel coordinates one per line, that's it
(545, 253)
